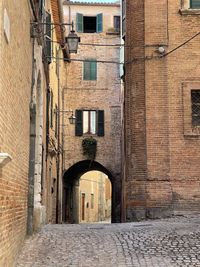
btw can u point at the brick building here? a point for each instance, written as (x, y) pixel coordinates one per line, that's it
(94, 198)
(162, 98)
(92, 93)
(28, 77)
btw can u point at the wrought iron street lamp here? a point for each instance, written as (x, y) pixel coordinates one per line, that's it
(72, 40)
(72, 119)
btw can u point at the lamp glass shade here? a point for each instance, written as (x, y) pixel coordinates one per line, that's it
(72, 119)
(72, 41)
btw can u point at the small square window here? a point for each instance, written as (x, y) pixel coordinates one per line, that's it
(195, 98)
(89, 24)
(195, 4)
(89, 122)
(117, 23)
(90, 70)
(191, 108)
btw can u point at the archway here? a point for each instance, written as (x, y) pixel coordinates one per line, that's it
(71, 192)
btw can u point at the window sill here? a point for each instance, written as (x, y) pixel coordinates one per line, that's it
(189, 11)
(193, 132)
(89, 134)
(112, 33)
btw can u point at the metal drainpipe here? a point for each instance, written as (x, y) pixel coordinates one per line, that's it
(58, 156)
(31, 173)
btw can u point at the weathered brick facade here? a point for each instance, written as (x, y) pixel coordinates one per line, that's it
(26, 187)
(15, 81)
(100, 94)
(162, 147)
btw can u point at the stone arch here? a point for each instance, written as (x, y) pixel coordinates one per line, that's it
(71, 179)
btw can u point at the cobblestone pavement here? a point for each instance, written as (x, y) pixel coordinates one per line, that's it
(170, 242)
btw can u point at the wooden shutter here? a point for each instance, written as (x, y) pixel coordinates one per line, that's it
(48, 37)
(90, 70)
(79, 123)
(93, 70)
(86, 70)
(194, 4)
(51, 124)
(79, 22)
(100, 118)
(100, 22)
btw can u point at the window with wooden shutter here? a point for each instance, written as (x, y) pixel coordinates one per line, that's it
(89, 24)
(41, 10)
(100, 123)
(89, 122)
(90, 70)
(79, 123)
(79, 22)
(51, 124)
(100, 22)
(48, 37)
(195, 4)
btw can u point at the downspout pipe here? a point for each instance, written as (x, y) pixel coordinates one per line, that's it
(31, 173)
(59, 152)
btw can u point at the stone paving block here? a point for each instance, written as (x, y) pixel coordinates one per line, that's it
(157, 243)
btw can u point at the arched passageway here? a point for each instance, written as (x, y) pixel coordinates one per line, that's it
(71, 192)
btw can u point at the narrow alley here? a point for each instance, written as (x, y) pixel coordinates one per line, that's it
(161, 243)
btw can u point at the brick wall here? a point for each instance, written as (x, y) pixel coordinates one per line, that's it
(161, 150)
(15, 81)
(102, 94)
(135, 132)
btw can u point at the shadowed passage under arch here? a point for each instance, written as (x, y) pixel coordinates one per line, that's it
(71, 192)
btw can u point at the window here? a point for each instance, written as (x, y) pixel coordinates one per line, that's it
(92, 201)
(41, 10)
(48, 41)
(51, 122)
(195, 98)
(89, 122)
(89, 24)
(191, 108)
(123, 18)
(195, 4)
(117, 23)
(90, 70)
(56, 121)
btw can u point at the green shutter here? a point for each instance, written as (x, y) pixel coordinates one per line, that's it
(100, 22)
(48, 37)
(86, 70)
(93, 70)
(195, 4)
(79, 123)
(100, 122)
(79, 22)
(51, 109)
(90, 70)
(41, 9)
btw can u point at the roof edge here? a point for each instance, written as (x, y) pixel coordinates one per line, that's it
(79, 3)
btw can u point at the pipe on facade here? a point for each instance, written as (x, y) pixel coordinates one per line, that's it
(31, 172)
(59, 149)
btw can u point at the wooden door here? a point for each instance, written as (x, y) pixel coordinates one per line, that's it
(83, 207)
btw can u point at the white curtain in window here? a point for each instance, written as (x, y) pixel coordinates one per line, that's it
(92, 122)
(85, 121)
